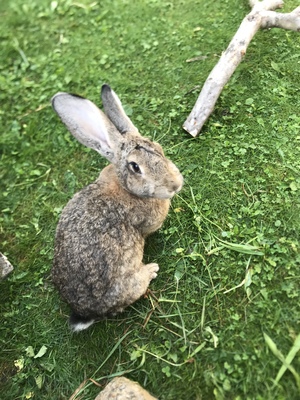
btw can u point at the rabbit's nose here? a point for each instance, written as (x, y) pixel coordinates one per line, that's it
(177, 186)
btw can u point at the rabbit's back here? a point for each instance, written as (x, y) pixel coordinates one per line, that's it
(92, 255)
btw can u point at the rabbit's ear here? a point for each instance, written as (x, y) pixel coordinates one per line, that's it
(89, 125)
(114, 110)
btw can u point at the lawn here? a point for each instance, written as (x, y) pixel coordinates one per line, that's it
(222, 320)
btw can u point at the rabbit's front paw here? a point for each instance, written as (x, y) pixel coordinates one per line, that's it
(152, 268)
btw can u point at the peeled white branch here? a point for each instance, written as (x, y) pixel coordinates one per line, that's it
(290, 21)
(261, 16)
(5, 266)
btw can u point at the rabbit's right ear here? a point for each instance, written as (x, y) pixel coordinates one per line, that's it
(114, 110)
(89, 125)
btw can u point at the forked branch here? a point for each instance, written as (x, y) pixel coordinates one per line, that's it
(263, 16)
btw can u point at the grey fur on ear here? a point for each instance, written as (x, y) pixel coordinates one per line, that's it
(87, 123)
(114, 110)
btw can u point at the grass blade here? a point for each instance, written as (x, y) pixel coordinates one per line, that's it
(286, 362)
(89, 382)
(289, 358)
(242, 248)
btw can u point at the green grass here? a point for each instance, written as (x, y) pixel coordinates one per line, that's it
(229, 251)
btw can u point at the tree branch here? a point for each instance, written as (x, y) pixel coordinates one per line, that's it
(5, 266)
(261, 16)
(290, 21)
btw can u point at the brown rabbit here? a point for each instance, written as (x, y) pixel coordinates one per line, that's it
(99, 243)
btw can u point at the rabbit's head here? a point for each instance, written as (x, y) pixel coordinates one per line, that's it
(141, 166)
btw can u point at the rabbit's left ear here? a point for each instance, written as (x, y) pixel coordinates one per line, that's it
(114, 110)
(89, 125)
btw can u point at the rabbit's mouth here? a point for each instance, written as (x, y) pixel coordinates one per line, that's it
(173, 188)
(165, 194)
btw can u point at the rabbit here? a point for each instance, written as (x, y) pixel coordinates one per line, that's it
(99, 240)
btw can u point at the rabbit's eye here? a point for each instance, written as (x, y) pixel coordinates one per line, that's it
(135, 168)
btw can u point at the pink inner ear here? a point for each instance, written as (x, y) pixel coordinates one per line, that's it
(83, 119)
(91, 122)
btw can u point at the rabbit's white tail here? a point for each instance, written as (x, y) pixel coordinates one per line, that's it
(78, 323)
